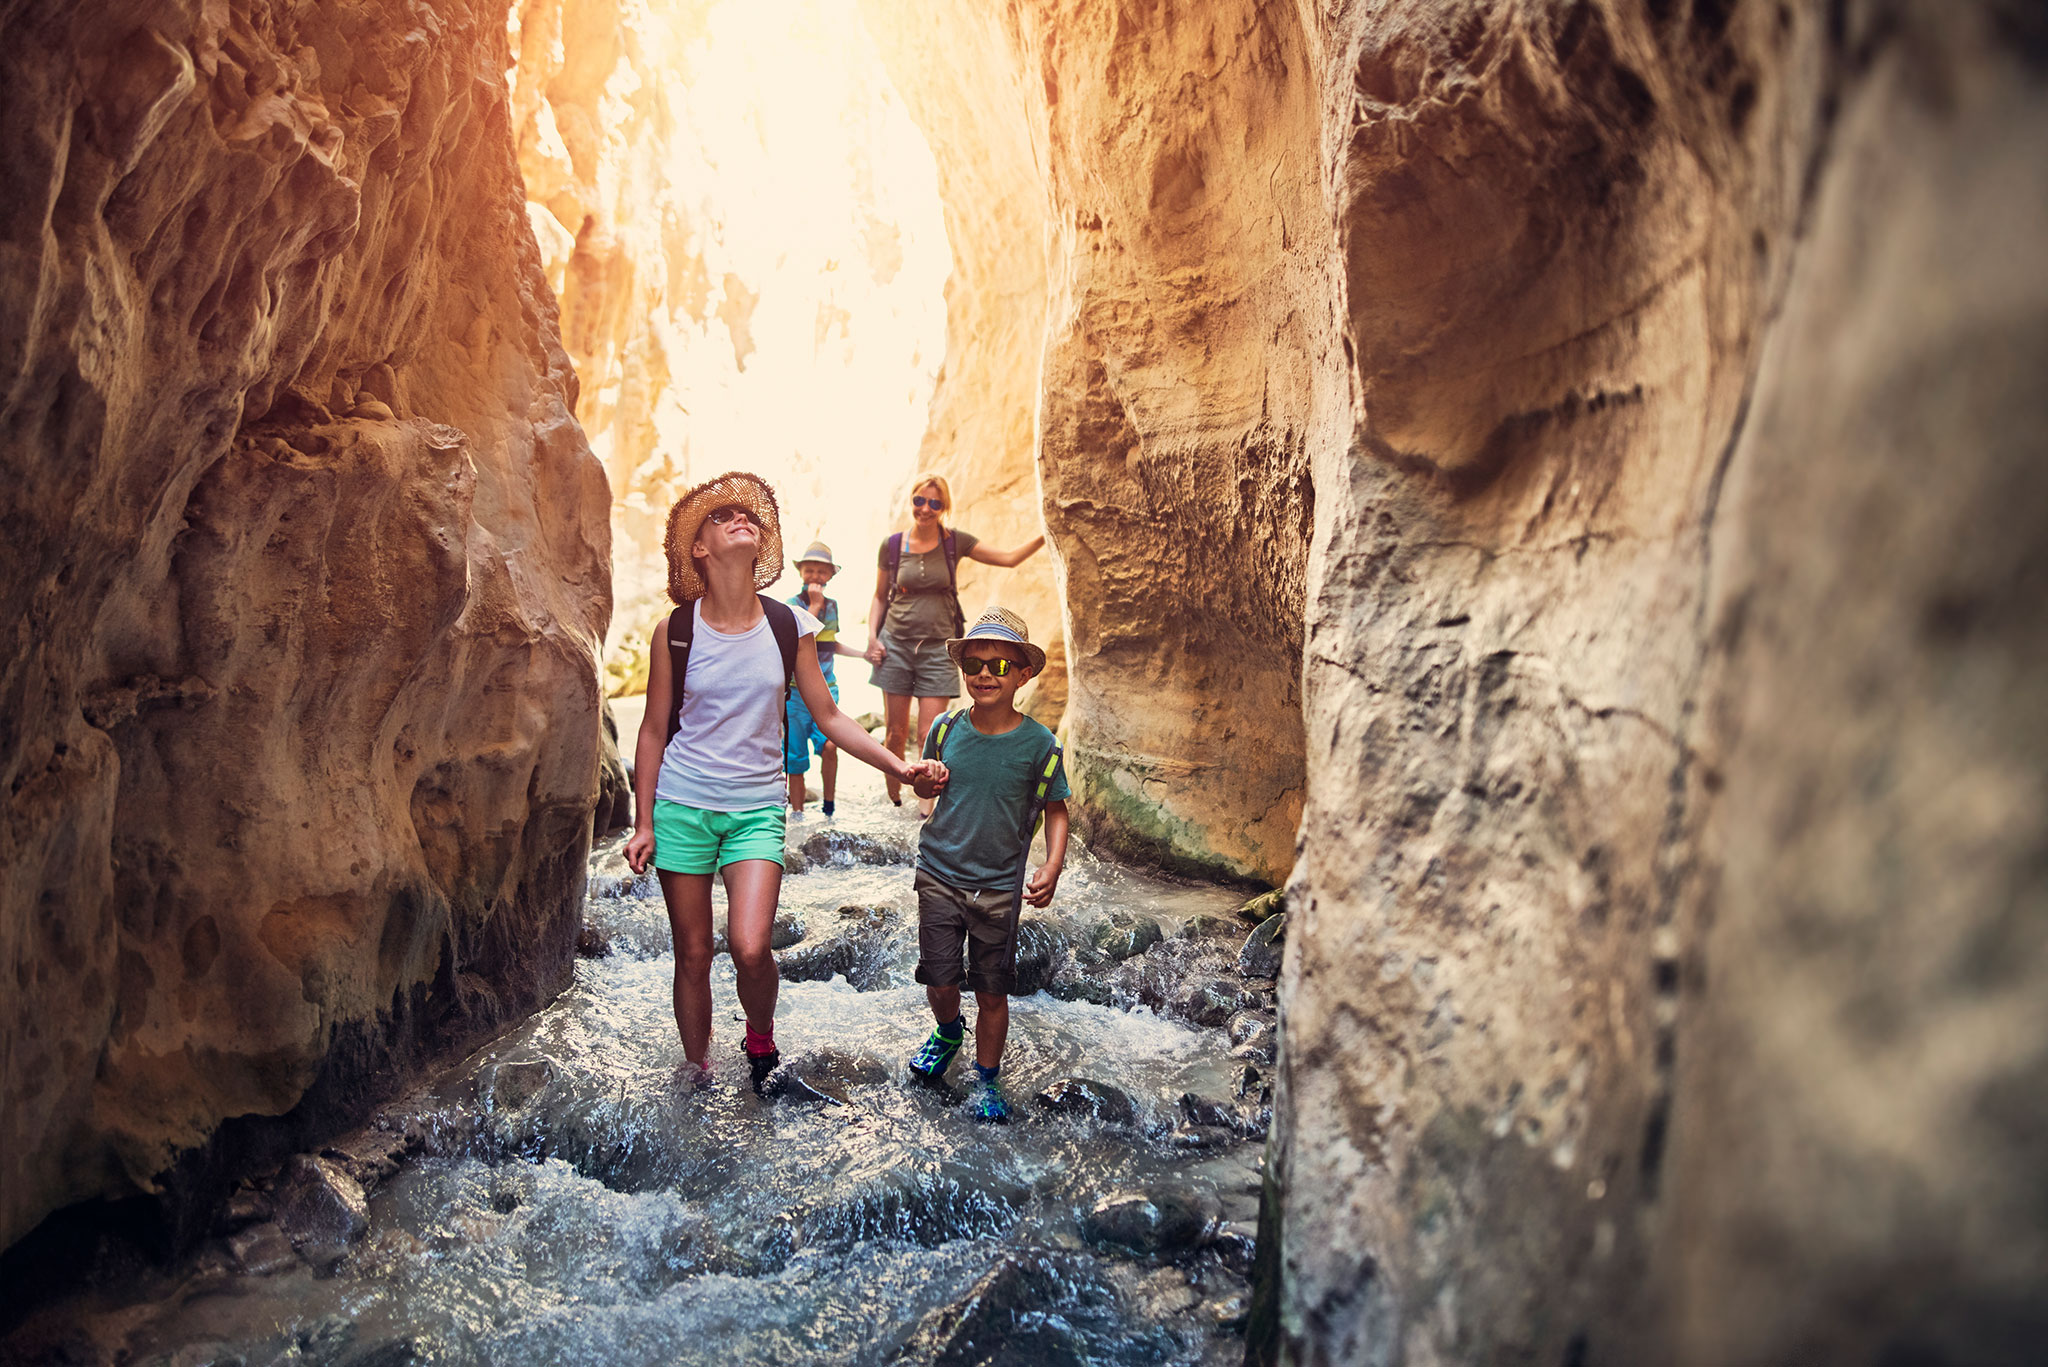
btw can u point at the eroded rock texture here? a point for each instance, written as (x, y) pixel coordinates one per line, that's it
(1176, 332)
(307, 566)
(1620, 410)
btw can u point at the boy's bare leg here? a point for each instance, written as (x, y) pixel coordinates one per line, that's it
(945, 1003)
(751, 888)
(828, 770)
(688, 896)
(991, 1027)
(796, 792)
(896, 711)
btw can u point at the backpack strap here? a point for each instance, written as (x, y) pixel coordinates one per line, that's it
(892, 563)
(953, 581)
(940, 732)
(679, 635)
(782, 621)
(1048, 765)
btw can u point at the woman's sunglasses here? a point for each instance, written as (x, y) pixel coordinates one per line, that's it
(937, 505)
(721, 516)
(999, 667)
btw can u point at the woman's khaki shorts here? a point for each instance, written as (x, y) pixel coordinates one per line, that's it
(979, 921)
(916, 669)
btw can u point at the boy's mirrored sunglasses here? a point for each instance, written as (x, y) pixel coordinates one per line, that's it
(999, 667)
(937, 505)
(721, 516)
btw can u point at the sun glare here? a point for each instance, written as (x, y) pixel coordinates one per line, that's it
(748, 178)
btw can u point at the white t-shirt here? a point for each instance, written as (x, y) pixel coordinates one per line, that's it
(727, 756)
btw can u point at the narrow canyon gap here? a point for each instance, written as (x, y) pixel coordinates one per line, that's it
(1555, 482)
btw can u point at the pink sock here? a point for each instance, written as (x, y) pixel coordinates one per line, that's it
(757, 1044)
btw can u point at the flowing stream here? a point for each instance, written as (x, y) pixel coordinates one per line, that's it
(562, 1195)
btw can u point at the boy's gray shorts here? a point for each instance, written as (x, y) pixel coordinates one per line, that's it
(916, 669)
(982, 922)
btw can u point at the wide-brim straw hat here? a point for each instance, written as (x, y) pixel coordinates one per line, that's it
(741, 490)
(819, 553)
(1000, 624)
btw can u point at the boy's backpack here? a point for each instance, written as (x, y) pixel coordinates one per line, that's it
(1048, 765)
(892, 560)
(681, 627)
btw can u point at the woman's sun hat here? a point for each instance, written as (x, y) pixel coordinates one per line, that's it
(737, 489)
(1000, 624)
(819, 553)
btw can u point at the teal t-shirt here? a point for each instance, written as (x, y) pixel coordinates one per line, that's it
(975, 837)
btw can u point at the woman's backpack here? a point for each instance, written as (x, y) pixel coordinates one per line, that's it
(781, 621)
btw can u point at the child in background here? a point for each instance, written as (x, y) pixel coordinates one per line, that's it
(817, 567)
(997, 769)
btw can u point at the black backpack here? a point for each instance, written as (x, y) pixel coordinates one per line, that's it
(781, 621)
(892, 560)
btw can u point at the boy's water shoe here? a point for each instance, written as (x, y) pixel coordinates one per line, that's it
(986, 1102)
(929, 1063)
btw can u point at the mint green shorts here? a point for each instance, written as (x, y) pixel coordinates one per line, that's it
(692, 840)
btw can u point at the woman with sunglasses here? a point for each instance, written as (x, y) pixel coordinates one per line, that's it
(708, 785)
(917, 608)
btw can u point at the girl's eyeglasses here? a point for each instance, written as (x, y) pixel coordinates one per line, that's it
(937, 505)
(721, 516)
(999, 667)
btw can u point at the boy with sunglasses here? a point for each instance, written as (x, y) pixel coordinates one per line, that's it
(997, 770)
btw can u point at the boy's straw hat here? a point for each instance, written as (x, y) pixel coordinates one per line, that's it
(742, 490)
(1000, 624)
(819, 552)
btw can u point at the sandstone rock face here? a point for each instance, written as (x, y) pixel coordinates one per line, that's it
(307, 565)
(1615, 410)
(1186, 296)
(1635, 1000)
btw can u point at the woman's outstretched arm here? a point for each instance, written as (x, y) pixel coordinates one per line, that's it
(839, 728)
(987, 555)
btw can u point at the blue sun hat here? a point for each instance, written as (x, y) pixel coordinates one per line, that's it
(818, 552)
(1000, 624)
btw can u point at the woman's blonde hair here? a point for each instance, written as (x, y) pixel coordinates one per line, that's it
(945, 493)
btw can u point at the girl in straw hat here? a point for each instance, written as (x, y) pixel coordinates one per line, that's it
(917, 608)
(708, 784)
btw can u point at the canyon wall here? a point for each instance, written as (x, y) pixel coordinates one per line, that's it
(307, 560)
(1164, 209)
(1587, 444)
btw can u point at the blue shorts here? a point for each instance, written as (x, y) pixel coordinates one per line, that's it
(804, 734)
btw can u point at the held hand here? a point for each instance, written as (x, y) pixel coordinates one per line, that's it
(1038, 889)
(930, 778)
(874, 651)
(640, 848)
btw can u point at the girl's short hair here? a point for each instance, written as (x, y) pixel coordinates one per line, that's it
(945, 492)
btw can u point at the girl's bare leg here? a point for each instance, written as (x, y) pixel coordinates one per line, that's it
(828, 771)
(751, 889)
(896, 710)
(688, 896)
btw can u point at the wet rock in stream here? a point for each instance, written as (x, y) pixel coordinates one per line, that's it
(1085, 1097)
(1152, 1222)
(320, 1207)
(1263, 948)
